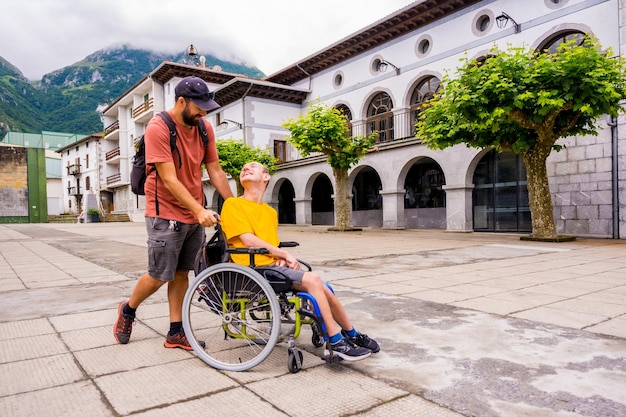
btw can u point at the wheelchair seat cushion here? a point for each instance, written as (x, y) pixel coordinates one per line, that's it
(281, 278)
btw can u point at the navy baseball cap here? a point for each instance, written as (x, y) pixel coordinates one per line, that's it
(196, 89)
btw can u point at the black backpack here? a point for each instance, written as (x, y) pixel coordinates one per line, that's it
(138, 173)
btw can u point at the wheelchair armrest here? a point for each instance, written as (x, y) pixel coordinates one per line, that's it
(288, 244)
(248, 251)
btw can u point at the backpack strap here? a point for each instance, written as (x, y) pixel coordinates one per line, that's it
(171, 125)
(203, 132)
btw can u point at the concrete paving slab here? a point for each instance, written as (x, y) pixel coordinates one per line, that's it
(117, 358)
(275, 365)
(95, 337)
(411, 405)
(16, 329)
(238, 402)
(329, 391)
(616, 327)
(31, 347)
(83, 320)
(39, 373)
(561, 317)
(161, 385)
(70, 400)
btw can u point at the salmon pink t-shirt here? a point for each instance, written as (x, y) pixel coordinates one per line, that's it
(189, 173)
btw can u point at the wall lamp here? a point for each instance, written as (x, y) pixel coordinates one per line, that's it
(225, 123)
(503, 20)
(382, 65)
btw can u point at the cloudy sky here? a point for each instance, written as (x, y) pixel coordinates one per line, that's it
(40, 36)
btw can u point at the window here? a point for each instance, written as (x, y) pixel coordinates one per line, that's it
(87, 161)
(483, 23)
(280, 150)
(345, 110)
(87, 183)
(552, 44)
(500, 196)
(424, 92)
(380, 117)
(423, 47)
(338, 80)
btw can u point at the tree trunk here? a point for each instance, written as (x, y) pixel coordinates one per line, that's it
(539, 197)
(343, 207)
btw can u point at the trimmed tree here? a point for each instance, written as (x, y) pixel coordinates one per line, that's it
(234, 154)
(326, 130)
(523, 101)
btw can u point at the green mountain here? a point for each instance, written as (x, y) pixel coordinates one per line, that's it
(66, 100)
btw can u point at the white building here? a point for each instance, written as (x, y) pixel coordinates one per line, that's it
(401, 183)
(80, 181)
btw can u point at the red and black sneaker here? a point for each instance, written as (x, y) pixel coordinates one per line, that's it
(124, 325)
(179, 340)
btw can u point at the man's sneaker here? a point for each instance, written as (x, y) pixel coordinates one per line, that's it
(123, 325)
(179, 340)
(365, 341)
(347, 351)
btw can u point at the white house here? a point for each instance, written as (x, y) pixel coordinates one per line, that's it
(81, 171)
(379, 77)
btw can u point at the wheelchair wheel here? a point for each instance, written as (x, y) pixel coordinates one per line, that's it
(235, 313)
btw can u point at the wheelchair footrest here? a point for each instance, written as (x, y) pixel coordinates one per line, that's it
(335, 358)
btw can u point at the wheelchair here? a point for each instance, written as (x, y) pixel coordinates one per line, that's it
(233, 315)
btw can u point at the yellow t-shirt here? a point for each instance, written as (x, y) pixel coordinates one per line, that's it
(241, 216)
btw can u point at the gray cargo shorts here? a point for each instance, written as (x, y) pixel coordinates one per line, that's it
(171, 250)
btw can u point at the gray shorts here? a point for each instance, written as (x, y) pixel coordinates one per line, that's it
(280, 277)
(171, 250)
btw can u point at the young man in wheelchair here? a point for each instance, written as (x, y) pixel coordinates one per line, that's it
(248, 222)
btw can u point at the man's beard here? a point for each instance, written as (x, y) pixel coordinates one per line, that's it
(188, 119)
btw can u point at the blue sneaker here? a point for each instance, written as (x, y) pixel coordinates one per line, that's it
(365, 341)
(348, 351)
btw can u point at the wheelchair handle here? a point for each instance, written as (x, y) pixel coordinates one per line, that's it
(288, 244)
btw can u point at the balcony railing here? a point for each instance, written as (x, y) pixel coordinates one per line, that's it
(145, 106)
(112, 127)
(73, 191)
(112, 153)
(390, 127)
(73, 169)
(112, 179)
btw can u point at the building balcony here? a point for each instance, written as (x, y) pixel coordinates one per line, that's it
(143, 113)
(112, 154)
(112, 128)
(73, 169)
(114, 179)
(74, 191)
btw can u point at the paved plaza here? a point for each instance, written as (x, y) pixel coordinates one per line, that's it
(470, 324)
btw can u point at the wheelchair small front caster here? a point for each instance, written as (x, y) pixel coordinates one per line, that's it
(295, 360)
(317, 339)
